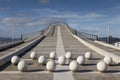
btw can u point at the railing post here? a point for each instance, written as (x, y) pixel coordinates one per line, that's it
(76, 32)
(42, 32)
(97, 38)
(21, 37)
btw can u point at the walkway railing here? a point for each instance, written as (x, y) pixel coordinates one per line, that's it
(24, 37)
(83, 35)
(33, 35)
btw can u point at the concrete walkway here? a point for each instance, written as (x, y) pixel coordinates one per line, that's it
(60, 48)
(62, 72)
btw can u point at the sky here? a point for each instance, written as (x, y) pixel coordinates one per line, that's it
(100, 17)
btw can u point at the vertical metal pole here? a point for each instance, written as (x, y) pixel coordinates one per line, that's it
(42, 32)
(21, 37)
(108, 33)
(12, 33)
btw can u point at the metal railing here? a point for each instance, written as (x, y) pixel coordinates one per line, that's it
(23, 37)
(83, 35)
(5, 41)
(31, 36)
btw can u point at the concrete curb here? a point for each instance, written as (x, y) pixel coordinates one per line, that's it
(108, 45)
(102, 52)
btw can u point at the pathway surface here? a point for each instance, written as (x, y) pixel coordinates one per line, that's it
(62, 74)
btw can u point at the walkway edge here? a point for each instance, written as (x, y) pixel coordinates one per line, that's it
(115, 58)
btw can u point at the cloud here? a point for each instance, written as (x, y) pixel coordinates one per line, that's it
(49, 10)
(14, 21)
(26, 14)
(92, 15)
(23, 25)
(44, 16)
(114, 20)
(3, 9)
(44, 1)
(39, 22)
(26, 22)
(116, 8)
(66, 14)
(76, 15)
(4, 33)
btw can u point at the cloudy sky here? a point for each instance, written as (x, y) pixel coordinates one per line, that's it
(91, 16)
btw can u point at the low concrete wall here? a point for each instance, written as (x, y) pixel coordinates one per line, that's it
(108, 45)
(102, 52)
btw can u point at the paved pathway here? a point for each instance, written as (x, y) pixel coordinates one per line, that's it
(63, 73)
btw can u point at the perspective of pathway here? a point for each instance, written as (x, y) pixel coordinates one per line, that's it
(61, 40)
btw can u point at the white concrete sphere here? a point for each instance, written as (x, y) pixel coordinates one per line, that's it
(15, 60)
(33, 55)
(68, 55)
(53, 55)
(108, 60)
(81, 60)
(116, 44)
(73, 66)
(61, 60)
(101, 66)
(22, 66)
(119, 44)
(51, 65)
(41, 60)
(88, 55)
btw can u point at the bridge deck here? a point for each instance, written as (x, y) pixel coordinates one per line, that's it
(49, 43)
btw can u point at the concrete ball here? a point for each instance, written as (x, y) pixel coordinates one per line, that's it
(22, 66)
(101, 66)
(53, 55)
(68, 55)
(88, 55)
(81, 60)
(73, 66)
(51, 65)
(41, 60)
(15, 60)
(116, 44)
(107, 60)
(61, 60)
(33, 55)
